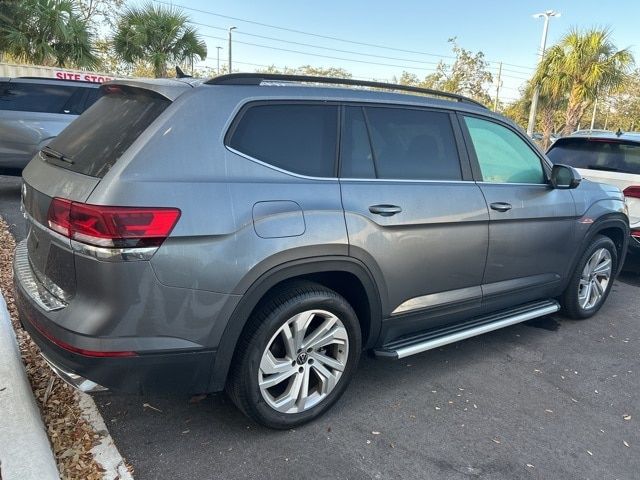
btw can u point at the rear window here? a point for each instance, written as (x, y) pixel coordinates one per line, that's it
(34, 97)
(299, 138)
(595, 154)
(94, 142)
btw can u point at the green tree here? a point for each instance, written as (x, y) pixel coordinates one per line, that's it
(308, 70)
(157, 36)
(467, 75)
(622, 109)
(578, 67)
(46, 32)
(100, 12)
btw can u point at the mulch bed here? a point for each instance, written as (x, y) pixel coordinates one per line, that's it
(71, 436)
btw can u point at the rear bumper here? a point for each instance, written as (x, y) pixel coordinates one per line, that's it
(180, 370)
(161, 372)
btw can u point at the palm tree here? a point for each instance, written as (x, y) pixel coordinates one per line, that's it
(46, 32)
(577, 67)
(158, 36)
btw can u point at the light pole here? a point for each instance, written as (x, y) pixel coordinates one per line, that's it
(218, 48)
(230, 30)
(543, 44)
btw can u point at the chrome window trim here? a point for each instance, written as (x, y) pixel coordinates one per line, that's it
(341, 179)
(514, 183)
(278, 169)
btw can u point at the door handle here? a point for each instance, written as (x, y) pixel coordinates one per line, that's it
(501, 206)
(385, 210)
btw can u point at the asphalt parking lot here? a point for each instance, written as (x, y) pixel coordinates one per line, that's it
(552, 399)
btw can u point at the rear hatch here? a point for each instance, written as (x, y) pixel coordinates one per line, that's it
(74, 163)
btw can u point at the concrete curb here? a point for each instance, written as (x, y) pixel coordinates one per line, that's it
(25, 452)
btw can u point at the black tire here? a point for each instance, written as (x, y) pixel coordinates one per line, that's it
(275, 311)
(569, 300)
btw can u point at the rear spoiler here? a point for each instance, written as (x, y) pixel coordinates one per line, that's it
(165, 87)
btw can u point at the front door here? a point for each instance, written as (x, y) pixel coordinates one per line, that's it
(531, 224)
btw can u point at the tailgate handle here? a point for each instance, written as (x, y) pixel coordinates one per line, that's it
(385, 210)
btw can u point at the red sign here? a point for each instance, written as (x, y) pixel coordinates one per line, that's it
(86, 77)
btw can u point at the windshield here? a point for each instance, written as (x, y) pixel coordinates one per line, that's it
(597, 154)
(95, 141)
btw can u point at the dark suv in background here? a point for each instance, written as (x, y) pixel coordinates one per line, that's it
(257, 232)
(34, 110)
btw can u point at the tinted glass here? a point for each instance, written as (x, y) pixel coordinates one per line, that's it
(33, 97)
(295, 137)
(96, 139)
(92, 97)
(356, 159)
(503, 156)
(613, 156)
(412, 144)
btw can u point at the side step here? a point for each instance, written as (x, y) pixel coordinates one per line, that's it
(443, 336)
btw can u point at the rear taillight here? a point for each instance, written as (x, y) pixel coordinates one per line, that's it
(633, 191)
(106, 226)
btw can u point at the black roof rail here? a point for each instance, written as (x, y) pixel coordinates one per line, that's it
(258, 78)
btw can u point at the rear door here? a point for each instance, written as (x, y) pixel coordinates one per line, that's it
(531, 224)
(413, 214)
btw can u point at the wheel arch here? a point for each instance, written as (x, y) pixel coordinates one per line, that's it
(346, 275)
(613, 225)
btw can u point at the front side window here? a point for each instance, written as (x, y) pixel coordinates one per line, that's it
(503, 156)
(299, 138)
(410, 144)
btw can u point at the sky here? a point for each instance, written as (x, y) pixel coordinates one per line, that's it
(414, 32)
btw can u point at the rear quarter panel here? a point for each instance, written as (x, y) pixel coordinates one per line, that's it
(181, 161)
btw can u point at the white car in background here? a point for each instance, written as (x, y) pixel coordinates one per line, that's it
(607, 157)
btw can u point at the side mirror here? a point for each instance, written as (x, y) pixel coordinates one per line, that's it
(564, 176)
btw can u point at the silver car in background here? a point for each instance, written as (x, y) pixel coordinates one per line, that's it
(33, 111)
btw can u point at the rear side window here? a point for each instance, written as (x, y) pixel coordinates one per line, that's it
(404, 144)
(503, 156)
(612, 156)
(34, 97)
(94, 141)
(299, 138)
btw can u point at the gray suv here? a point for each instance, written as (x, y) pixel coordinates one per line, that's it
(255, 233)
(34, 110)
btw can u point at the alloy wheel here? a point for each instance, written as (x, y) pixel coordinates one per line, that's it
(303, 361)
(595, 279)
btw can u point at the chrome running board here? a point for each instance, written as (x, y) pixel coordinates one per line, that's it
(437, 338)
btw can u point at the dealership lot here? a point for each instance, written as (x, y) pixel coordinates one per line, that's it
(550, 399)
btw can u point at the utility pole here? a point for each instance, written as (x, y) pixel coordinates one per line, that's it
(543, 45)
(595, 108)
(218, 49)
(495, 105)
(230, 30)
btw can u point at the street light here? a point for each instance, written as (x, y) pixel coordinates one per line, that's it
(218, 48)
(543, 44)
(230, 30)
